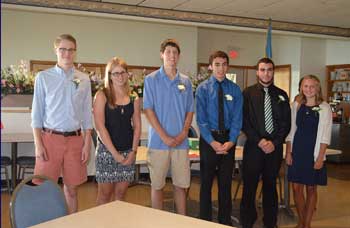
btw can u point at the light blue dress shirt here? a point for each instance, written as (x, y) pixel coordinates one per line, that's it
(61, 104)
(207, 108)
(170, 100)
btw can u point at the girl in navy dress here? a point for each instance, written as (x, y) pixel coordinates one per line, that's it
(306, 147)
(117, 117)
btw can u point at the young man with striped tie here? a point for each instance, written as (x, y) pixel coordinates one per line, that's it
(266, 123)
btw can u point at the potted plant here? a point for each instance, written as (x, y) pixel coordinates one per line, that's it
(17, 85)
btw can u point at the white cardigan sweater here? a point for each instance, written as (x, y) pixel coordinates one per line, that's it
(324, 129)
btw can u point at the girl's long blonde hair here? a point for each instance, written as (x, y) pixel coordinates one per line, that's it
(301, 97)
(108, 84)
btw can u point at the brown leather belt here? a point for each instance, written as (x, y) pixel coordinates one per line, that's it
(64, 133)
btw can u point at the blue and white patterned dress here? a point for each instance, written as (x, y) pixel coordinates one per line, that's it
(119, 127)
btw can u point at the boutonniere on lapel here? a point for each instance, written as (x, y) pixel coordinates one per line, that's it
(76, 82)
(281, 99)
(181, 87)
(228, 97)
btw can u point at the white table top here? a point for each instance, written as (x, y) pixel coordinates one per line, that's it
(122, 214)
(17, 137)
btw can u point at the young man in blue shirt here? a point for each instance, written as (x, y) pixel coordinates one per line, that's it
(168, 106)
(219, 118)
(61, 110)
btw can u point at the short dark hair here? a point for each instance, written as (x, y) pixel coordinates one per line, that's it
(169, 42)
(218, 54)
(265, 60)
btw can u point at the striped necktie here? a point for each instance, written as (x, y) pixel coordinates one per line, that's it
(268, 112)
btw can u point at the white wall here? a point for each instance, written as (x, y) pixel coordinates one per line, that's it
(338, 52)
(251, 47)
(313, 59)
(287, 50)
(30, 35)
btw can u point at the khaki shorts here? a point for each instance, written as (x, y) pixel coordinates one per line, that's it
(64, 158)
(159, 162)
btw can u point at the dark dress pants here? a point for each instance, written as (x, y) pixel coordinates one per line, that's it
(257, 164)
(211, 165)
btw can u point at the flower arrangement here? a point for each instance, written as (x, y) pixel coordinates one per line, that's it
(96, 79)
(136, 82)
(200, 77)
(17, 79)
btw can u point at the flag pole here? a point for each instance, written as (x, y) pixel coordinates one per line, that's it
(268, 47)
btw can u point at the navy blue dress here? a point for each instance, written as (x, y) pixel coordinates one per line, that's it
(301, 171)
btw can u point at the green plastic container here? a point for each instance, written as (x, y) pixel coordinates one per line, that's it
(194, 143)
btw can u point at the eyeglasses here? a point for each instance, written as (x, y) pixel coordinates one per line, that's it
(116, 74)
(69, 50)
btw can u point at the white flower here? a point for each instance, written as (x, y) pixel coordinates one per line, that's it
(281, 98)
(316, 109)
(181, 87)
(76, 82)
(228, 97)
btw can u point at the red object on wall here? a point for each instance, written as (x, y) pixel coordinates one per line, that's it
(233, 54)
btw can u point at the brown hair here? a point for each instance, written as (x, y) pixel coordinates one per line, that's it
(266, 61)
(218, 54)
(64, 37)
(302, 98)
(108, 85)
(169, 42)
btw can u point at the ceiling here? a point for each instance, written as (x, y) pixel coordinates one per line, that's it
(335, 13)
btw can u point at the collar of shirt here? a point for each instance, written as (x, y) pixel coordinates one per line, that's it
(212, 80)
(261, 88)
(165, 77)
(61, 72)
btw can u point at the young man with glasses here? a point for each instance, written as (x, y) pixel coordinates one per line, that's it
(219, 118)
(168, 105)
(62, 121)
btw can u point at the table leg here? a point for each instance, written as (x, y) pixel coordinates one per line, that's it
(137, 177)
(14, 164)
(286, 192)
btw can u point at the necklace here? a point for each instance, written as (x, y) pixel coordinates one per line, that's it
(121, 109)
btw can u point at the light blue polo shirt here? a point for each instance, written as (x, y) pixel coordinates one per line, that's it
(170, 100)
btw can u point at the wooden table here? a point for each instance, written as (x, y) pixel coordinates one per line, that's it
(14, 139)
(124, 215)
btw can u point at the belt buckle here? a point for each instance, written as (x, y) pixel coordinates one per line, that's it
(66, 134)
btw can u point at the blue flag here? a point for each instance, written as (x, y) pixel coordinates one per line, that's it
(268, 48)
